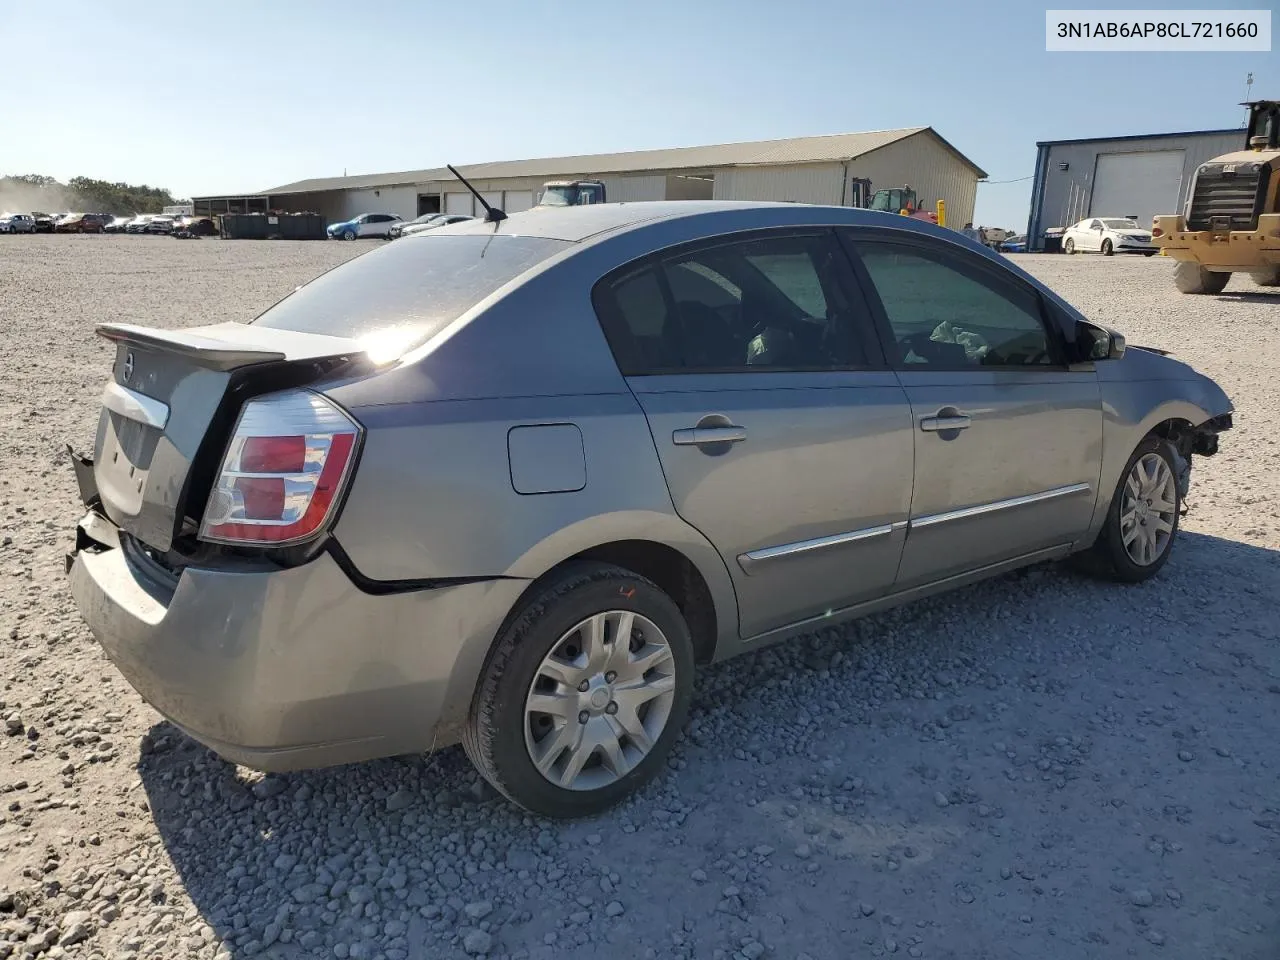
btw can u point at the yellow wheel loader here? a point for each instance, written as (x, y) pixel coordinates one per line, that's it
(1231, 223)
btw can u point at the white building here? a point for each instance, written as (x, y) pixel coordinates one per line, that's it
(802, 169)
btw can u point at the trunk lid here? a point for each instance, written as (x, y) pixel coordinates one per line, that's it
(171, 402)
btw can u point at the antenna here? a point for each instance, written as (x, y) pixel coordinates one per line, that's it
(1248, 89)
(491, 214)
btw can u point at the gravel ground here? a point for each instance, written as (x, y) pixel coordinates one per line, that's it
(1041, 766)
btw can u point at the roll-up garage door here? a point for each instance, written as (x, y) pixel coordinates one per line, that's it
(516, 200)
(492, 198)
(1137, 185)
(458, 203)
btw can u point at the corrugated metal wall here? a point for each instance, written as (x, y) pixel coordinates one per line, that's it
(401, 200)
(1066, 194)
(631, 189)
(929, 168)
(799, 183)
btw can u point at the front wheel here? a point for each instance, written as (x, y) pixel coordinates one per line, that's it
(583, 693)
(1107, 249)
(1149, 253)
(348, 234)
(1190, 277)
(1142, 522)
(1267, 278)
(1069, 247)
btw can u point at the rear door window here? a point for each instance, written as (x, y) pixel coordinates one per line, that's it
(767, 304)
(417, 285)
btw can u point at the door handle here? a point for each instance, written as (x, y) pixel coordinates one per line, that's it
(696, 436)
(958, 421)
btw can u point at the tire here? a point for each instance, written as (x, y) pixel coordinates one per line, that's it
(348, 234)
(1109, 556)
(1190, 277)
(1267, 278)
(502, 732)
(1107, 249)
(1069, 247)
(1150, 253)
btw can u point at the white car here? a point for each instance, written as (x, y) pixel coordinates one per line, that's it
(1107, 235)
(17, 223)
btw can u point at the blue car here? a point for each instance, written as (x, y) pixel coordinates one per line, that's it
(365, 225)
(1013, 245)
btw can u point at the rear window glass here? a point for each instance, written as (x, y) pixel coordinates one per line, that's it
(415, 286)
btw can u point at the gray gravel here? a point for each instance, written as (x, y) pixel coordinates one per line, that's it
(1041, 766)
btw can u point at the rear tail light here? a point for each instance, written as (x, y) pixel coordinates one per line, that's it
(283, 471)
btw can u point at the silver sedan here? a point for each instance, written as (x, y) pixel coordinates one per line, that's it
(510, 483)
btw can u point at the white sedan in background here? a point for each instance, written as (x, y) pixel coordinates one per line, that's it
(1108, 235)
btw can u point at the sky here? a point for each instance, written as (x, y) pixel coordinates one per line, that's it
(232, 96)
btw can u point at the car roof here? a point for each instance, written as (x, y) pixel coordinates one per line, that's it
(594, 221)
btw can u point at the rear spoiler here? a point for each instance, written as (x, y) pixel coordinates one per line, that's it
(229, 346)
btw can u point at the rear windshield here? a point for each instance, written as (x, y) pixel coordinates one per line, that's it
(416, 286)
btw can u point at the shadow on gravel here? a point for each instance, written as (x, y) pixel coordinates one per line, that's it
(1249, 297)
(416, 857)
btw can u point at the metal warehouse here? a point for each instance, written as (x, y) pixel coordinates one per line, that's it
(1137, 176)
(805, 170)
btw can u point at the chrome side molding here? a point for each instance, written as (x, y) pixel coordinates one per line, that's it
(996, 506)
(135, 406)
(751, 561)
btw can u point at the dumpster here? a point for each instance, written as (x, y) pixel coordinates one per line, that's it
(273, 226)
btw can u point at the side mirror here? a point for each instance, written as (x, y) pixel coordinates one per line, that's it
(1098, 343)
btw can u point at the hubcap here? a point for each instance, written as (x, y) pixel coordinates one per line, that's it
(599, 700)
(1148, 510)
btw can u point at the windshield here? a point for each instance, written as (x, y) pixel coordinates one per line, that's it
(563, 196)
(428, 217)
(411, 289)
(1120, 224)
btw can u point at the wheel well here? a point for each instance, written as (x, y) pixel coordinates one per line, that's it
(675, 574)
(1181, 433)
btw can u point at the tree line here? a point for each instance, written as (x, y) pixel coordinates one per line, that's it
(81, 194)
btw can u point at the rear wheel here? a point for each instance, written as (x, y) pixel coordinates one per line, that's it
(1149, 253)
(1190, 277)
(583, 693)
(1267, 278)
(1069, 247)
(1107, 249)
(1142, 522)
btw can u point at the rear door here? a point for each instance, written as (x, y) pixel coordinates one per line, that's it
(782, 436)
(1008, 438)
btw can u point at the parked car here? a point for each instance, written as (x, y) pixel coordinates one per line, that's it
(1108, 235)
(511, 486)
(17, 223)
(43, 222)
(1016, 244)
(78, 223)
(139, 223)
(365, 225)
(116, 225)
(400, 225)
(194, 227)
(441, 220)
(160, 224)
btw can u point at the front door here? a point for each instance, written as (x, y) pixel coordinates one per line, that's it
(1008, 439)
(782, 437)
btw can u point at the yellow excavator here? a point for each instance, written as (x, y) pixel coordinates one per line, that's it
(1231, 223)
